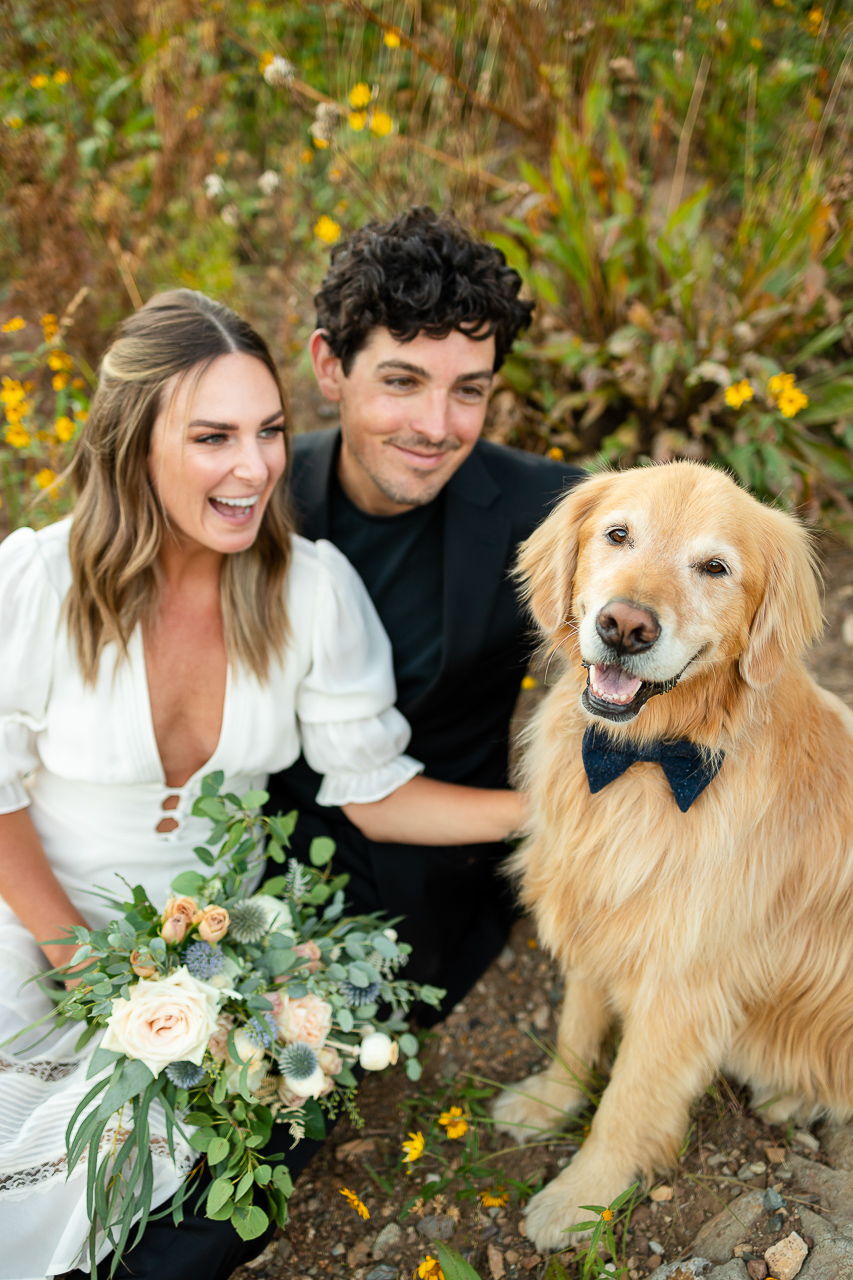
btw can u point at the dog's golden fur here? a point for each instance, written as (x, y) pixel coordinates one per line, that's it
(720, 938)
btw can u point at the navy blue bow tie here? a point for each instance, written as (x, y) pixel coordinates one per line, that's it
(688, 769)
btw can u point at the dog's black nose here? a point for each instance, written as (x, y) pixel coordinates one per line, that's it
(627, 627)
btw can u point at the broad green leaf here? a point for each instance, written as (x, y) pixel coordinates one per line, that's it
(413, 1069)
(250, 1225)
(133, 1080)
(254, 799)
(220, 1191)
(408, 1044)
(321, 851)
(453, 1264)
(190, 882)
(217, 1150)
(211, 783)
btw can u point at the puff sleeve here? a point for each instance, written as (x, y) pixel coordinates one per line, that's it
(29, 618)
(350, 729)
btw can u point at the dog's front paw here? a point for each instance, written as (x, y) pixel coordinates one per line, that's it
(536, 1105)
(558, 1207)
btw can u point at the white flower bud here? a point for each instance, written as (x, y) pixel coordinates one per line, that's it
(279, 72)
(377, 1051)
(213, 186)
(311, 1087)
(269, 182)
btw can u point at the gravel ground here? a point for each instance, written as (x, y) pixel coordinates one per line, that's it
(495, 1036)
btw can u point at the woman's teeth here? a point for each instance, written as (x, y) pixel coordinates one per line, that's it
(234, 508)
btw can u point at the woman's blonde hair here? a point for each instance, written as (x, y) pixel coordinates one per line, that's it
(119, 524)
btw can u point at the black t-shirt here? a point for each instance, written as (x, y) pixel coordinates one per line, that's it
(400, 560)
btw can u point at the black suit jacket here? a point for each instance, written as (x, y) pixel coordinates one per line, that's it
(457, 910)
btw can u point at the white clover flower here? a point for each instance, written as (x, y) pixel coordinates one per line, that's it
(231, 215)
(269, 182)
(213, 186)
(279, 72)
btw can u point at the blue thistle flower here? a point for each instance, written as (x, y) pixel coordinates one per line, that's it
(262, 1031)
(186, 1075)
(355, 996)
(247, 921)
(203, 961)
(297, 1060)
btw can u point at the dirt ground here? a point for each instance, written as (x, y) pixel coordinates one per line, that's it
(493, 1037)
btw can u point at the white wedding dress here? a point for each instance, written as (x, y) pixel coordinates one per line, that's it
(85, 760)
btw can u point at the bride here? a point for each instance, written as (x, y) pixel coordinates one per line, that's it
(173, 626)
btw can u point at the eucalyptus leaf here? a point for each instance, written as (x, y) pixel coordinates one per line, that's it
(217, 1150)
(220, 1191)
(321, 851)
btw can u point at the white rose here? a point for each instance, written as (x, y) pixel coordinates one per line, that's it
(170, 1020)
(311, 1087)
(377, 1051)
(277, 913)
(248, 1051)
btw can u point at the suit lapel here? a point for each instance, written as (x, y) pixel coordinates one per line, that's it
(476, 546)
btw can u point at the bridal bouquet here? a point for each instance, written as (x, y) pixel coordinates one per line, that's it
(233, 1011)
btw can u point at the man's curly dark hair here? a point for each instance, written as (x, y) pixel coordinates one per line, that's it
(421, 272)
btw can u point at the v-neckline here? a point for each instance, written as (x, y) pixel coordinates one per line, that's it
(137, 655)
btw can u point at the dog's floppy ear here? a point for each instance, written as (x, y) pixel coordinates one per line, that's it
(789, 616)
(547, 560)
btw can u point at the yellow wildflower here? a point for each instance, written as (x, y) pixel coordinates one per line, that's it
(381, 123)
(306, 155)
(814, 20)
(335, 175)
(265, 60)
(607, 1215)
(64, 428)
(17, 436)
(61, 76)
(454, 1122)
(360, 96)
(738, 393)
(39, 81)
(756, 43)
(494, 1198)
(391, 39)
(78, 383)
(354, 1201)
(222, 157)
(320, 143)
(11, 326)
(556, 453)
(429, 1269)
(60, 381)
(194, 113)
(786, 395)
(357, 120)
(60, 361)
(81, 414)
(326, 229)
(529, 682)
(414, 1148)
(14, 122)
(45, 478)
(50, 326)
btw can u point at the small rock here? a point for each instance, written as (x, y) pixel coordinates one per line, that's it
(833, 1188)
(837, 1143)
(757, 1269)
(541, 1017)
(438, 1226)
(776, 1223)
(531, 1262)
(817, 1227)
(720, 1234)
(805, 1139)
(734, 1270)
(496, 1262)
(383, 1272)
(758, 1168)
(776, 1155)
(390, 1237)
(506, 959)
(283, 1249)
(772, 1200)
(719, 1158)
(656, 1247)
(338, 1249)
(359, 1254)
(661, 1193)
(489, 1231)
(786, 1258)
(692, 1269)
(511, 1257)
(745, 1171)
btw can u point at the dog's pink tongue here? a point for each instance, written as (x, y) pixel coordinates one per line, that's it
(613, 684)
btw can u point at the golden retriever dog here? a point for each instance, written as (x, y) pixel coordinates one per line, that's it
(703, 896)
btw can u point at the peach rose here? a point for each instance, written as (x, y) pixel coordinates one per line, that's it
(141, 969)
(170, 1020)
(218, 1042)
(330, 1061)
(212, 924)
(308, 1019)
(248, 1051)
(311, 952)
(177, 918)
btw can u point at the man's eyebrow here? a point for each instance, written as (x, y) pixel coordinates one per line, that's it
(230, 426)
(385, 365)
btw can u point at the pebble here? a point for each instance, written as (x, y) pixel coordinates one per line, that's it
(776, 1223)
(656, 1247)
(390, 1237)
(772, 1200)
(757, 1269)
(758, 1168)
(718, 1237)
(506, 959)
(541, 1017)
(383, 1272)
(805, 1139)
(338, 1249)
(745, 1172)
(693, 1269)
(437, 1227)
(785, 1259)
(719, 1158)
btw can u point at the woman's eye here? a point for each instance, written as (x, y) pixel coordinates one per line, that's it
(215, 437)
(617, 536)
(716, 568)
(269, 433)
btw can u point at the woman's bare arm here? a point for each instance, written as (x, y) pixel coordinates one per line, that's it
(424, 811)
(29, 886)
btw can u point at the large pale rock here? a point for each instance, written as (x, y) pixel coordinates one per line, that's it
(832, 1255)
(833, 1186)
(836, 1141)
(785, 1259)
(718, 1237)
(733, 1270)
(390, 1237)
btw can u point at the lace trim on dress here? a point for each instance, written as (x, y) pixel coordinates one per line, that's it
(41, 1177)
(41, 1068)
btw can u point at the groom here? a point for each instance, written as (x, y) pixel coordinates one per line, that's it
(414, 318)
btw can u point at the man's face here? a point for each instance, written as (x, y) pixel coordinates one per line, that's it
(411, 412)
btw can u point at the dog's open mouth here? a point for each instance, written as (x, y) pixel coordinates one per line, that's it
(616, 694)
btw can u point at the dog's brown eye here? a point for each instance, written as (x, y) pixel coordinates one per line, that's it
(716, 568)
(617, 536)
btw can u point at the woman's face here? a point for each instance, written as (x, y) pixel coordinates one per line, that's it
(217, 452)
